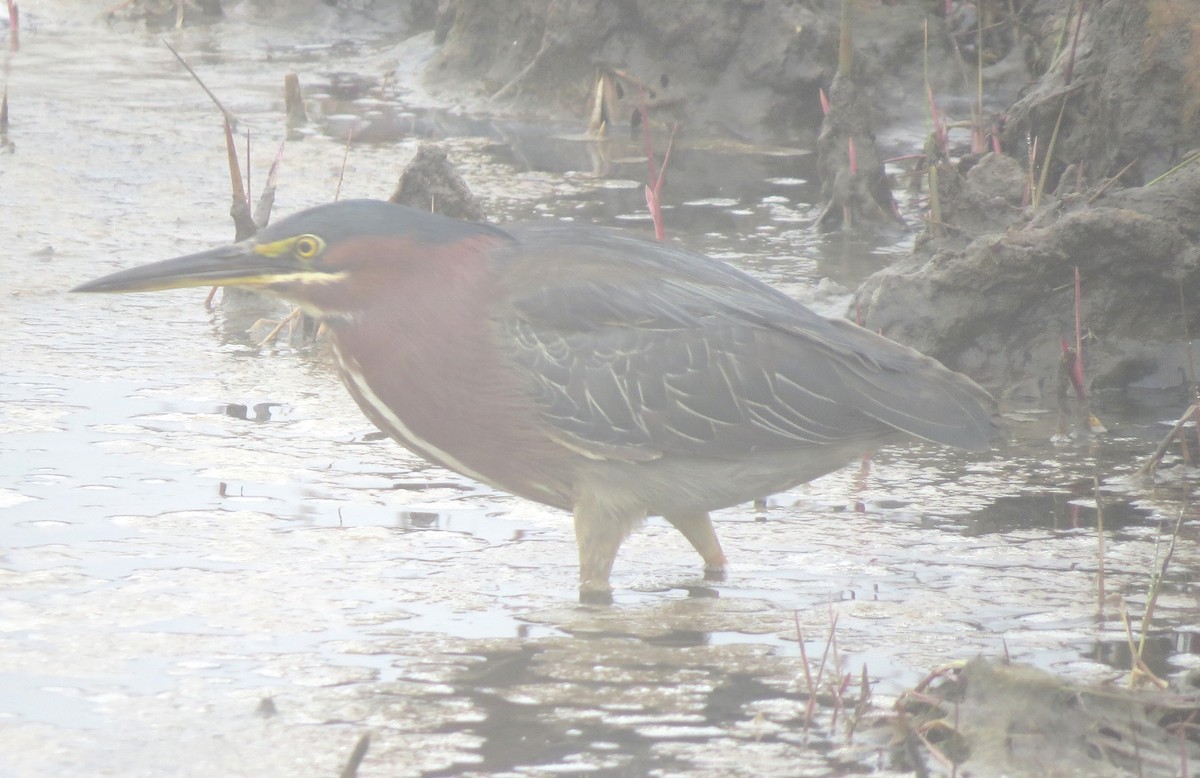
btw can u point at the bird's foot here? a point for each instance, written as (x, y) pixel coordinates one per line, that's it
(590, 595)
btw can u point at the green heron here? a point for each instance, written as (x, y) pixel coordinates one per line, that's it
(603, 374)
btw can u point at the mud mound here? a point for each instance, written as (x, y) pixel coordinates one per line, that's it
(1000, 309)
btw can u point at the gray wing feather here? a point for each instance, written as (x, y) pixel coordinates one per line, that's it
(637, 350)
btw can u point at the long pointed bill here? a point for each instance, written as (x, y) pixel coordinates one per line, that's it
(235, 265)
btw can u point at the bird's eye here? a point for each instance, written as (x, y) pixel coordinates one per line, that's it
(307, 246)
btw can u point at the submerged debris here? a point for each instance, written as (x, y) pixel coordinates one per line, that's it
(431, 183)
(853, 185)
(293, 98)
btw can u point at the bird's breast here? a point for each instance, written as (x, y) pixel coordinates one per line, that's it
(428, 373)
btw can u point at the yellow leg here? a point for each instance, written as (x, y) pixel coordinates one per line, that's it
(698, 529)
(598, 536)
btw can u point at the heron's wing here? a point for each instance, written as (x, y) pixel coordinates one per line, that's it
(634, 350)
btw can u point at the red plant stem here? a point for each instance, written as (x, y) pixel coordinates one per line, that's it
(337, 193)
(853, 156)
(273, 173)
(803, 655)
(662, 171)
(657, 176)
(654, 191)
(235, 172)
(655, 208)
(653, 204)
(229, 118)
(824, 101)
(14, 26)
(939, 132)
(249, 188)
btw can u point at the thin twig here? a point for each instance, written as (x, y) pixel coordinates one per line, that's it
(242, 220)
(1156, 584)
(1133, 654)
(1037, 194)
(266, 201)
(235, 173)
(345, 157)
(1099, 547)
(229, 117)
(1078, 368)
(936, 752)
(356, 756)
(837, 659)
(291, 317)
(1137, 667)
(864, 696)
(1104, 187)
(803, 655)
(812, 698)
(1187, 337)
(1152, 463)
(1175, 169)
(846, 40)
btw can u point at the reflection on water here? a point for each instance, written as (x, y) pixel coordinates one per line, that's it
(260, 411)
(661, 711)
(1157, 651)
(166, 566)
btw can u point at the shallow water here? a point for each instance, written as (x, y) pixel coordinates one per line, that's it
(213, 565)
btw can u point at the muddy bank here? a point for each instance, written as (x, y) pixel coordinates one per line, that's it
(1126, 79)
(1000, 307)
(990, 288)
(747, 70)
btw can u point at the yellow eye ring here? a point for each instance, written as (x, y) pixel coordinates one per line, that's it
(307, 246)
